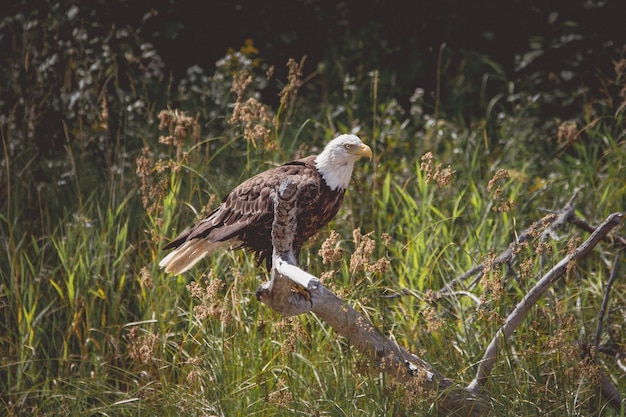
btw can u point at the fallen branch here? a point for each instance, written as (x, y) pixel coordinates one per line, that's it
(519, 313)
(292, 291)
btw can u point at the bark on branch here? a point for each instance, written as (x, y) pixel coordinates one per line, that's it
(292, 291)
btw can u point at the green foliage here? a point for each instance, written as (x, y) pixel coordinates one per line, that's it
(90, 325)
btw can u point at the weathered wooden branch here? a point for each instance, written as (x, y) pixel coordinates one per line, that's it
(519, 313)
(292, 291)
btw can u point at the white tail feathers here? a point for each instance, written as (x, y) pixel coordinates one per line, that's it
(187, 255)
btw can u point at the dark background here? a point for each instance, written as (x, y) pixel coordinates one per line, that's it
(399, 36)
(396, 34)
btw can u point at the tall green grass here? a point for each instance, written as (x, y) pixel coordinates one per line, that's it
(91, 326)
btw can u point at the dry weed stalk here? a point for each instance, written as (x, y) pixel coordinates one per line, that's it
(250, 114)
(432, 172)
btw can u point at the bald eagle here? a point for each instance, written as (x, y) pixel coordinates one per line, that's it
(244, 217)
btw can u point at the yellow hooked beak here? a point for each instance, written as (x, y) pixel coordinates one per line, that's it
(364, 150)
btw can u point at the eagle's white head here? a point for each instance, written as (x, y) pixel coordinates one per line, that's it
(335, 163)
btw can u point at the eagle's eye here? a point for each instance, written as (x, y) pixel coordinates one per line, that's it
(347, 146)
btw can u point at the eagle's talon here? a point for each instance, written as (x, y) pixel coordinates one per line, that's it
(300, 290)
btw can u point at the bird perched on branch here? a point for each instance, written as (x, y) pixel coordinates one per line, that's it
(244, 217)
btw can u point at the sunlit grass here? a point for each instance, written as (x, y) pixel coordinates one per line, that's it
(92, 326)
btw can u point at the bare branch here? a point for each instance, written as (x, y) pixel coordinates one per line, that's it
(405, 367)
(618, 242)
(519, 313)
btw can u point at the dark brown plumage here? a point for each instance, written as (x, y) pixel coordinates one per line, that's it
(244, 217)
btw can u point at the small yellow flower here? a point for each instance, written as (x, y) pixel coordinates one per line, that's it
(248, 48)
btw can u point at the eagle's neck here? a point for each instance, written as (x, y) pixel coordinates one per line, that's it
(336, 173)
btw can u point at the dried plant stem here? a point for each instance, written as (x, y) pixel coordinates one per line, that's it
(530, 299)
